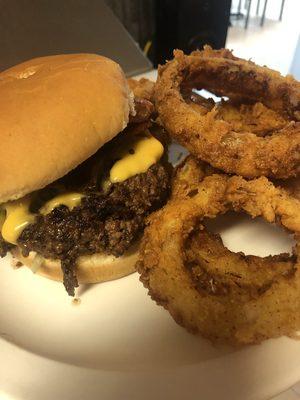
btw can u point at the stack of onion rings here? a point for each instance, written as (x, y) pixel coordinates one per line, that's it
(255, 134)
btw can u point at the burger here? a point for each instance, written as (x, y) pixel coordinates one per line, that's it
(79, 170)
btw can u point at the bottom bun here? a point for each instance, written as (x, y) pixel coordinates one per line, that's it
(90, 269)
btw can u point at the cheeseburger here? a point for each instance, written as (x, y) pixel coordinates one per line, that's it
(78, 179)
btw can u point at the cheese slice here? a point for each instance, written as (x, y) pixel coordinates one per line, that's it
(137, 158)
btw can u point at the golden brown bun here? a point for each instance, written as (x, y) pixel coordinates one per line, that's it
(55, 113)
(90, 269)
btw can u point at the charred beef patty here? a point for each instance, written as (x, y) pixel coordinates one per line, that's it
(104, 222)
(109, 219)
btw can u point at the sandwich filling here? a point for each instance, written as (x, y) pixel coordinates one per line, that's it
(100, 207)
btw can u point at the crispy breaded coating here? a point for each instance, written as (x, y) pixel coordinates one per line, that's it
(143, 99)
(256, 133)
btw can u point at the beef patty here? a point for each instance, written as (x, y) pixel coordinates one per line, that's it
(104, 222)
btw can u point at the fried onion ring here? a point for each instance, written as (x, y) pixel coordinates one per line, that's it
(218, 139)
(224, 296)
(143, 99)
(142, 88)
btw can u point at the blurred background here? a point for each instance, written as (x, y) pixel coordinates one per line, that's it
(142, 34)
(266, 30)
(271, 36)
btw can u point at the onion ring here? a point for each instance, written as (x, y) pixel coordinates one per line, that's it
(215, 140)
(142, 88)
(143, 99)
(224, 296)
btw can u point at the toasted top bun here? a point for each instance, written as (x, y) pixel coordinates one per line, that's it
(89, 269)
(55, 112)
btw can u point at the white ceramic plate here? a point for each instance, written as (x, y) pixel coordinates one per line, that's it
(118, 344)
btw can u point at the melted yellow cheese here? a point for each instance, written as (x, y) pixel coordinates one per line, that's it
(143, 152)
(69, 200)
(16, 220)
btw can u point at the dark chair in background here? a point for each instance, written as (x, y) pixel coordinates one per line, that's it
(189, 25)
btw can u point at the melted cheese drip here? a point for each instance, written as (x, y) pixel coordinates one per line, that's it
(16, 220)
(69, 200)
(140, 156)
